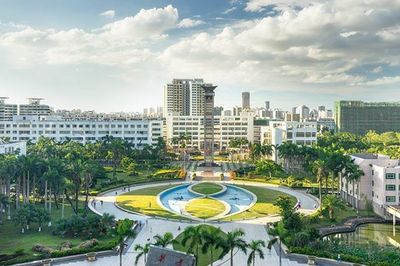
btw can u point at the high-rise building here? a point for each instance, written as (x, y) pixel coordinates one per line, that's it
(359, 117)
(237, 110)
(321, 108)
(177, 97)
(34, 107)
(267, 105)
(7, 111)
(246, 100)
(303, 111)
(184, 97)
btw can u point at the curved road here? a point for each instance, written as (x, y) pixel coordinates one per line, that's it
(254, 229)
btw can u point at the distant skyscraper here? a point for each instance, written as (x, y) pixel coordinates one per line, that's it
(35, 108)
(321, 108)
(184, 97)
(218, 110)
(267, 106)
(359, 117)
(303, 111)
(7, 111)
(246, 100)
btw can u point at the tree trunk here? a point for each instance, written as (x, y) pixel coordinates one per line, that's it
(62, 207)
(333, 183)
(28, 188)
(211, 257)
(45, 194)
(70, 202)
(354, 196)
(17, 192)
(231, 257)
(23, 187)
(50, 200)
(34, 188)
(8, 186)
(320, 194)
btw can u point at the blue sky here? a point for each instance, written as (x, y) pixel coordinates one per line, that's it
(117, 55)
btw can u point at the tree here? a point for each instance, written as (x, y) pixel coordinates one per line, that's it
(116, 150)
(192, 235)
(3, 204)
(22, 217)
(331, 201)
(234, 240)
(164, 240)
(355, 174)
(212, 240)
(288, 152)
(255, 247)
(123, 229)
(41, 216)
(142, 251)
(285, 205)
(319, 168)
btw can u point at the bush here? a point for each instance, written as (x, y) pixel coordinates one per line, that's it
(90, 226)
(88, 244)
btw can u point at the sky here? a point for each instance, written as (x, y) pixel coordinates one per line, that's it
(116, 55)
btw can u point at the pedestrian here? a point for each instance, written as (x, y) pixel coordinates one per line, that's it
(147, 222)
(179, 228)
(94, 203)
(149, 204)
(101, 202)
(116, 192)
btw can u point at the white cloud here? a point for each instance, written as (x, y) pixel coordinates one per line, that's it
(260, 5)
(108, 14)
(190, 23)
(229, 10)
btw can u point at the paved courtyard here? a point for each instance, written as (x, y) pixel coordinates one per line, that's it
(254, 229)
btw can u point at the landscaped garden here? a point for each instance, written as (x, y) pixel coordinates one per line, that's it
(207, 188)
(204, 259)
(205, 208)
(264, 205)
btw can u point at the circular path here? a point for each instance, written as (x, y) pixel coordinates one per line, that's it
(254, 229)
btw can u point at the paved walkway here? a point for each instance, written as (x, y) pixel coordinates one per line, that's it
(254, 229)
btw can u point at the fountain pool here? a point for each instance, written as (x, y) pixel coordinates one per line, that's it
(176, 198)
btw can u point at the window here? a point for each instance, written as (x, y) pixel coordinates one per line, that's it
(391, 187)
(390, 198)
(390, 175)
(373, 183)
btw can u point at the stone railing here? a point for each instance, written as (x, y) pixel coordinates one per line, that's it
(349, 225)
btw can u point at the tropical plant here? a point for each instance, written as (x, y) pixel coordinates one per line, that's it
(192, 235)
(255, 247)
(164, 240)
(212, 240)
(123, 230)
(234, 240)
(142, 251)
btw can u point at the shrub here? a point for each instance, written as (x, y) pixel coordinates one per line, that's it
(88, 244)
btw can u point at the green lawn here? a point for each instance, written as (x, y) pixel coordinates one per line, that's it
(204, 259)
(340, 214)
(279, 181)
(11, 238)
(145, 201)
(207, 188)
(205, 208)
(264, 205)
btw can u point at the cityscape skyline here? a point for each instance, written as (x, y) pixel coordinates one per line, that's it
(115, 52)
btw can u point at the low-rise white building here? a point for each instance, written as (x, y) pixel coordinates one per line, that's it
(7, 147)
(23, 128)
(380, 184)
(278, 132)
(225, 129)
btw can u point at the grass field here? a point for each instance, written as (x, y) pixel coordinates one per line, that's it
(264, 205)
(204, 259)
(11, 238)
(145, 201)
(205, 208)
(207, 188)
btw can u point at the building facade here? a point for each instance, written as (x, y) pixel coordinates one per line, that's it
(380, 184)
(278, 132)
(359, 117)
(225, 129)
(23, 128)
(7, 111)
(34, 107)
(246, 100)
(9, 147)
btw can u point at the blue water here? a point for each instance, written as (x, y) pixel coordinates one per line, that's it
(176, 198)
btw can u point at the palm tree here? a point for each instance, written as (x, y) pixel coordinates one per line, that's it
(355, 176)
(193, 235)
(164, 240)
(319, 168)
(255, 247)
(143, 250)
(3, 204)
(288, 151)
(235, 240)
(42, 216)
(212, 241)
(123, 230)
(331, 201)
